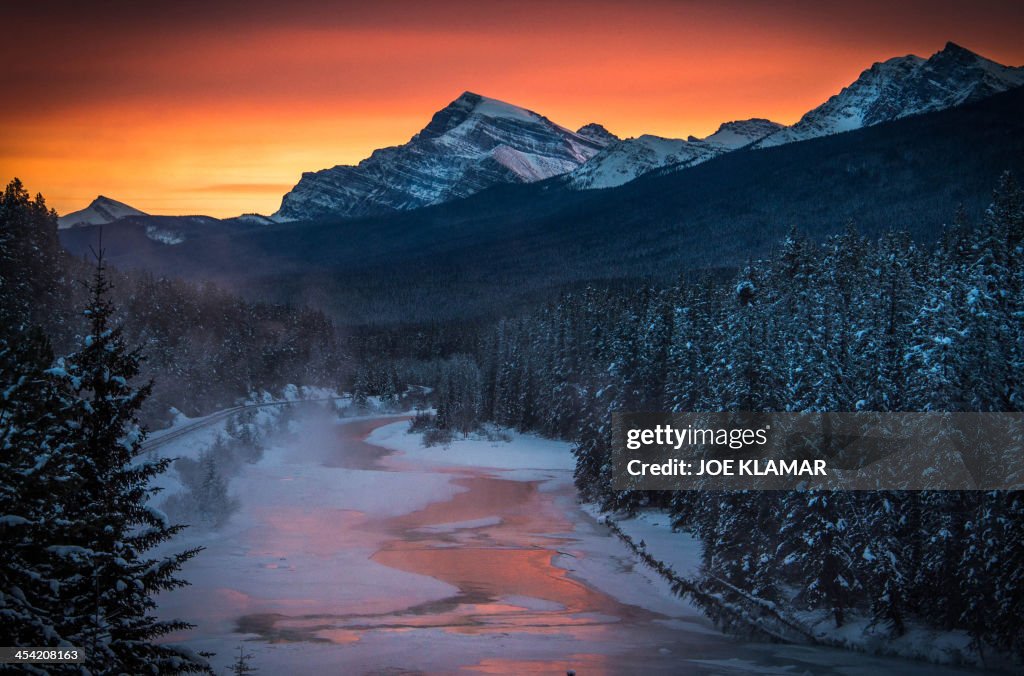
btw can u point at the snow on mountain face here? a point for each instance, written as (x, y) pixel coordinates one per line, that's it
(163, 236)
(902, 86)
(597, 132)
(472, 144)
(251, 219)
(626, 160)
(733, 135)
(101, 211)
(899, 87)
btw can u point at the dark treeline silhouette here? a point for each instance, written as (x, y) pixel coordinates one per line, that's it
(203, 346)
(76, 528)
(848, 324)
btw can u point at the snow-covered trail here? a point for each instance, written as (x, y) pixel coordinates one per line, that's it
(348, 557)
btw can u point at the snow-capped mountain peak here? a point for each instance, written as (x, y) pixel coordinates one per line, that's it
(597, 132)
(251, 219)
(473, 143)
(100, 211)
(469, 105)
(625, 160)
(903, 86)
(733, 135)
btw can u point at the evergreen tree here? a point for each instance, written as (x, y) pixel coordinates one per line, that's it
(816, 547)
(241, 666)
(212, 501)
(35, 476)
(360, 391)
(109, 581)
(29, 260)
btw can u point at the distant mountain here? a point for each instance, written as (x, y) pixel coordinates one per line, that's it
(476, 142)
(161, 230)
(100, 211)
(250, 219)
(903, 86)
(739, 134)
(518, 243)
(897, 88)
(597, 132)
(471, 144)
(132, 239)
(625, 160)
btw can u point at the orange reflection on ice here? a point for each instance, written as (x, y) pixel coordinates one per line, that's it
(508, 556)
(589, 664)
(495, 543)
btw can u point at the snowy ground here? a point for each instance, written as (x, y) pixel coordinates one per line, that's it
(475, 558)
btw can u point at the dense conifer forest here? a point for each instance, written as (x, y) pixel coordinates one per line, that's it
(847, 324)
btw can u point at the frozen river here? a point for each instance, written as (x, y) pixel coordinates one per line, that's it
(350, 557)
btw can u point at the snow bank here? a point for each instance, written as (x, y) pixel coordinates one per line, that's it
(524, 452)
(653, 530)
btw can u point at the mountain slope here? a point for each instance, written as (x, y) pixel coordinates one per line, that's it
(625, 160)
(472, 144)
(741, 133)
(100, 211)
(903, 86)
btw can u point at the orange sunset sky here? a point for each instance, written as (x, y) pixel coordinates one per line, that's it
(217, 107)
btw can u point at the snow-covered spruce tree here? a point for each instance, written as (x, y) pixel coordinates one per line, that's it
(108, 579)
(1006, 220)
(511, 364)
(389, 391)
(592, 438)
(793, 286)
(815, 547)
(592, 448)
(945, 516)
(213, 504)
(458, 396)
(739, 530)
(992, 573)
(743, 359)
(889, 527)
(360, 390)
(34, 479)
(562, 385)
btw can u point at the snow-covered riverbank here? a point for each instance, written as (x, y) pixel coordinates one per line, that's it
(357, 550)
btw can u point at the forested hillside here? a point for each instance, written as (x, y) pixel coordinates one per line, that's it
(204, 346)
(850, 324)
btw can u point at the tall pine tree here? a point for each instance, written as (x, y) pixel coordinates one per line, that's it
(109, 578)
